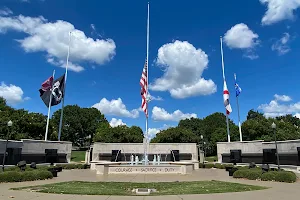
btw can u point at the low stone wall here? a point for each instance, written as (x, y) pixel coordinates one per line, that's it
(252, 151)
(34, 151)
(116, 168)
(103, 151)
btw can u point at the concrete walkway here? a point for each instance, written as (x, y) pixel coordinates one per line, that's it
(277, 191)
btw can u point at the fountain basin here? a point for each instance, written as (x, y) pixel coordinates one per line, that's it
(105, 168)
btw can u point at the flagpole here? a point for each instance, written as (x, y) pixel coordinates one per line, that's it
(238, 108)
(63, 100)
(49, 108)
(222, 55)
(147, 116)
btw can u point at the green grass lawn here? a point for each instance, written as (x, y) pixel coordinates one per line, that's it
(118, 188)
(77, 156)
(211, 158)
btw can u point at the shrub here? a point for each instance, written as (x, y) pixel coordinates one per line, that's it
(28, 168)
(228, 165)
(73, 166)
(285, 176)
(15, 176)
(269, 176)
(254, 174)
(240, 174)
(219, 166)
(251, 174)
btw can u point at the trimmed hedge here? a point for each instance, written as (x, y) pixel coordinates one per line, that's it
(28, 168)
(73, 166)
(257, 174)
(15, 176)
(217, 165)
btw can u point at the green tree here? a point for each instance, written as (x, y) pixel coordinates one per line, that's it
(119, 134)
(290, 119)
(176, 135)
(194, 124)
(254, 115)
(79, 124)
(25, 124)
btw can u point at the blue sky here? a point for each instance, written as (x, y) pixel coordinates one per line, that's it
(108, 51)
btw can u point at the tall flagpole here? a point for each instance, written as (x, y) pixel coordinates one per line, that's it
(147, 116)
(63, 100)
(49, 107)
(238, 108)
(227, 122)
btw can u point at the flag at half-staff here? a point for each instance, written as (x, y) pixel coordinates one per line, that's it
(226, 99)
(238, 91)
(144, 89)
(225, 93)
(52, 91)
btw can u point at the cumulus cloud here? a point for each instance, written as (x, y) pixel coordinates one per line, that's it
(153, 131)
(279, 10)
(160, 114)
(115, 107)
(297, 115)
(116, 122)
(283, 98)
(241, 36)
(53, 39)
(183, 67)
(12, 94)
(276, 108)
(282, 45)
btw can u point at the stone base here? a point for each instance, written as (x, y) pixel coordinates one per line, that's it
(105, 168)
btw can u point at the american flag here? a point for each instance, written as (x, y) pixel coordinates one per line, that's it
(226, 99)
(144, 89)
(46, 85)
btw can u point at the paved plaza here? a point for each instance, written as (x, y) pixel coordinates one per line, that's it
(276, 191)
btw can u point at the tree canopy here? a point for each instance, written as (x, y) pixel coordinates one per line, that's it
(83, 126)
(213, 128)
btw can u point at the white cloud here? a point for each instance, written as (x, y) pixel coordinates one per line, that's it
(279, 10)
(53, 38)
(115, 107)
(116, 122)
(153, 98)
(297, 115)
(94, 31)
(282, 45)
(5, 11)
(63, 64)
(240, 37)
(13, 94)
(284, 98)
(183, 67)
(275, 108)
(160, 114)
(153, 131)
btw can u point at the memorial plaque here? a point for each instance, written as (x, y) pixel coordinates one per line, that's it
(145, 169)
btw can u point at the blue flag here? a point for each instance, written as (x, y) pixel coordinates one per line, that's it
(238, 90)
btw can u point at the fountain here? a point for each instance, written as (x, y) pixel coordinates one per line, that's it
(154, 160)
(131, 159)
(139, 162)
(136, 160)
(158, 159)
